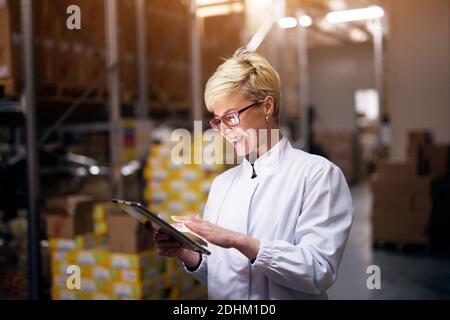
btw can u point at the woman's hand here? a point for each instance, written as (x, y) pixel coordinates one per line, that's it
(169, 247)
(208, 231)
(219, 236)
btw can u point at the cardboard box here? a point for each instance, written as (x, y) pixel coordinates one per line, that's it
(396, 170)
(131, 261)
(69, 216)
(127, 235)
(401, 209)
(416, 141)
(86, 241)
(438, 159)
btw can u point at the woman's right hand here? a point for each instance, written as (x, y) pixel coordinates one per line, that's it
(169, 247)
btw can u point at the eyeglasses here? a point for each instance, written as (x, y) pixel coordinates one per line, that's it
(230, 119)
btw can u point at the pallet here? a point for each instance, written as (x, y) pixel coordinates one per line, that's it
(402, 246)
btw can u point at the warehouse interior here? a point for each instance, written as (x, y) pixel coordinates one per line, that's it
(90, 92)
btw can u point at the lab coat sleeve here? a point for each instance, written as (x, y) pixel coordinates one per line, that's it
(323, 225)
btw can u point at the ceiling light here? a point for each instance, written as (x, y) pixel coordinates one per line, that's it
(305, 21)
(287, 22)
(371, 12)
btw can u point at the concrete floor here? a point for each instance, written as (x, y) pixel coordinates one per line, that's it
(403, 275)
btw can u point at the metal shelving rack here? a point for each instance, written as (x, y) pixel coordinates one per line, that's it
(27, 107)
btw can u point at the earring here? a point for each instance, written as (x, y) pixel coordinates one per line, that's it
(267, 119)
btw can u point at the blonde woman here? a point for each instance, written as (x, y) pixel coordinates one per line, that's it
(277, 224)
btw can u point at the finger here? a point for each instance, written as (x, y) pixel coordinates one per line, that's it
(149, 227)
(186, 218)
(168, 244)
(181, 218)
(193, 227)
(162, 236)
(168, 252)
(196, 230)
(180, 227)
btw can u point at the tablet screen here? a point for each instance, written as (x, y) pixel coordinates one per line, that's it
(144, 216)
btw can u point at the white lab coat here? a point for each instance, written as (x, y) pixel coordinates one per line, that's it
(300, 208)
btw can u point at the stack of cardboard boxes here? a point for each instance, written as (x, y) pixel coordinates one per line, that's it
(115, 261)
(177, 189)
(402, 192)
(70, 60)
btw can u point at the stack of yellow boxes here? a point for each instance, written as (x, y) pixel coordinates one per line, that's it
(99, 216)
(172, 189)
(178, 189)
(107, 275)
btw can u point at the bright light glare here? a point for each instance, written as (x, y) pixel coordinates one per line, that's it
(220, 10)
(305, 21)
(358, 35)
(287, 22)
(94, 170)
(371, 12)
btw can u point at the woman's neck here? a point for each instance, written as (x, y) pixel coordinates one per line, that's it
(265, 146)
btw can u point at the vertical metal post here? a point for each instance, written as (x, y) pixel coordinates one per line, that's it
(34, 240)
(141, 47)
(377, 31)
(116, 132)
(302, 51)
(196, 67)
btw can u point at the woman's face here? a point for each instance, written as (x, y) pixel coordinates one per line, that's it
(249, 133)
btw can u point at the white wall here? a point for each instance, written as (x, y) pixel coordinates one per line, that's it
(419, 58)
(335, 73)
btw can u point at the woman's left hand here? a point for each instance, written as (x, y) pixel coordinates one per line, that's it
(208, 231)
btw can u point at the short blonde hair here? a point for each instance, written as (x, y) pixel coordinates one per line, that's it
(247, 72)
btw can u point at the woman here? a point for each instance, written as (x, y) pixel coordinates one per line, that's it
(276, 226)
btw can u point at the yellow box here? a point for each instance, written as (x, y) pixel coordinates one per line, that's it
(123, 290)
(159, 174)
(130, 261)
(65, 294)
(59, 268)
(86, 241)
(100, 228)
(59, 282)
(100, 272)
(139, 275)
(94, 286)
(61, 257)
(87, 257)
(99, 212)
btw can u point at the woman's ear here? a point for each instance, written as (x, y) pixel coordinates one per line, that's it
(269, 106)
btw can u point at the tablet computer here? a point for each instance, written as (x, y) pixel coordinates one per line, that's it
(145, 216)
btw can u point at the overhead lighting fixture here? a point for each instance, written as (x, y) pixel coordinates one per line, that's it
(305, 21)
(130, 168)
(287, 22)
(201, 3)
(220, 9)
(372, 12)
(336, 5)
(325, 25)
(358, 36)
(94, 170)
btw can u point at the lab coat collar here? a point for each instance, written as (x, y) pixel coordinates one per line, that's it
(269, 161)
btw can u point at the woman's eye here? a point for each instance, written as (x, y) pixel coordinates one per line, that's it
(232, 119)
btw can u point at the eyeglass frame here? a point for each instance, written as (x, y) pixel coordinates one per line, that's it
(238, 112)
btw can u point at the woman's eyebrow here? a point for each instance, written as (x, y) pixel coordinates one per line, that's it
(226, 112)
